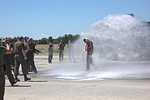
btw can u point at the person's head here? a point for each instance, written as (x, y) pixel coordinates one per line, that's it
(31, 40)
(85, 40)
(11, 41)
(50, 39)
(2, 41)
(20, 38)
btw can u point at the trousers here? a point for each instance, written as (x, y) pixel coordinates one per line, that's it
(2, 83)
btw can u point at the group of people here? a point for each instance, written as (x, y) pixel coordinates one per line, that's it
(12, 55)
(21, 52)
(61, 47)
(88, 48)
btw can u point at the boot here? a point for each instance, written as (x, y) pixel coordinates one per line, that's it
(14, 83)
(26, 78)
(16, 78)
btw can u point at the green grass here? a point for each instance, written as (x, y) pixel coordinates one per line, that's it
(44, 47)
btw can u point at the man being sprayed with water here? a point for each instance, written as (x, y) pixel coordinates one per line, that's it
(89, 49)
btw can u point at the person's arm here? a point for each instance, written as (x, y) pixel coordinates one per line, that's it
(23, 50)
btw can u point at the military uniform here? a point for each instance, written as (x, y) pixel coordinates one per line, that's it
(61, 51)
(7, 62)
(2, 76)
(20, 58)
(30, 57)
(50, 52)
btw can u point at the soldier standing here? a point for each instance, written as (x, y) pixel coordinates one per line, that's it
(50, 49)
(61, 51)
(50, 52)
(20, 58)
(2, 76)
(30, 55)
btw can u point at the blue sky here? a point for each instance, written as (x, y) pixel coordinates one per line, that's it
(43, 18)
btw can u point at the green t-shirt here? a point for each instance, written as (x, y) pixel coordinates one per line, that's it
(18, 47)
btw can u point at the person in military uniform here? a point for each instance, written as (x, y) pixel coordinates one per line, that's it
(30, 55)
(50, 49)
(8, 64)
(50, 52)
(20, 58)
(89, 49)
(2, 76)
(61, 51)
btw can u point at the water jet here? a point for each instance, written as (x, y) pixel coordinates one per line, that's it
(121, 51)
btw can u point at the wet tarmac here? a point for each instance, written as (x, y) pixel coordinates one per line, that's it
(103, 71)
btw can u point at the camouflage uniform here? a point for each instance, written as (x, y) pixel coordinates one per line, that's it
(20, 58)
(61, 51)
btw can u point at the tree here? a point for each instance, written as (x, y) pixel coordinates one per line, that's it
(43, 41)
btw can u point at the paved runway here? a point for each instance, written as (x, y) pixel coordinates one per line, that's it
(70, 81)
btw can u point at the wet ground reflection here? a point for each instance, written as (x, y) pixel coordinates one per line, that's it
(107, 70)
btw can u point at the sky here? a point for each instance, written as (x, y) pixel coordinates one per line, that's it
(43, 18)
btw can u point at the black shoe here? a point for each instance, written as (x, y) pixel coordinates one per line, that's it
(27, 79)
(17, 80)
(14, 83)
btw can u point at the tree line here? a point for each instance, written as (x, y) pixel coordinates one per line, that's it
(64, 38)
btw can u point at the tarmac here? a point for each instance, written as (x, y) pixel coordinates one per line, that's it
(44, 86)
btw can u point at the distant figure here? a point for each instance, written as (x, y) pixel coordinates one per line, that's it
(89, 49)
(2, 76)
(61, 51)
(71, 51)
(50, 52)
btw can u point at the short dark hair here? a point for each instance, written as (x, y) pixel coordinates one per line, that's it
(20, 37)
(84, 40)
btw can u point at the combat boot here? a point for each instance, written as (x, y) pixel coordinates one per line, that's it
(26, 78)
(16, 78)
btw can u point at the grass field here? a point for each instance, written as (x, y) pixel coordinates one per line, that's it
(44, 47)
